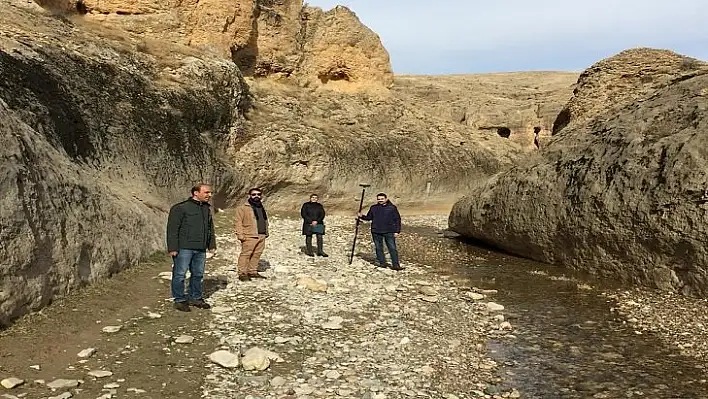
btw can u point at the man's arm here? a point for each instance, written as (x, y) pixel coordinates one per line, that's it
(369, 215)
(396, 220)
(305, 215)
(239, 225)
(174, 222)
(212, 233)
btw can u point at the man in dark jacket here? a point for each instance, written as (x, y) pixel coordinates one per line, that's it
(190, 232)
(385, 227)
(313, 214)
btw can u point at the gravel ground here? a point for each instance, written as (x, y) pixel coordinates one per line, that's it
(319, 327)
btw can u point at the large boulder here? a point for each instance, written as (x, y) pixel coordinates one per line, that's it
(97, 145)
(617, 190)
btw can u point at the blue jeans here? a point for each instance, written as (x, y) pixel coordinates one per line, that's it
(192, 260)
(379, 239)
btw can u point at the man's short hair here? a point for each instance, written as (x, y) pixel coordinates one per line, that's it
(198, 187)
(314, 195)
(255, 189)
(381, 195)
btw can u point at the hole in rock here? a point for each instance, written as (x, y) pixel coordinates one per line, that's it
(81, 7)
(504, 132)
(536, 130)
(334, 75)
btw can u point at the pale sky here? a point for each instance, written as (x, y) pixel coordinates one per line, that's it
(470, 36)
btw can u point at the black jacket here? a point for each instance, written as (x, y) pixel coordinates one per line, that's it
(311, 211)
(384, 218)
(190, 226)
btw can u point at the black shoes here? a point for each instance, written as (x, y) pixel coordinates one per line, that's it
(322, 254)
(244, 277)
(200, 304)
(396, 268)
(182, 306)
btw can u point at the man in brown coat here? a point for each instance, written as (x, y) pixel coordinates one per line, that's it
(252, 231)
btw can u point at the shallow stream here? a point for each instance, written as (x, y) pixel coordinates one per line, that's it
(567, 342)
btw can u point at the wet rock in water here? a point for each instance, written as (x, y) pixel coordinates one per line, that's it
(494, 307)
(12, 382)
(475, 296)
(111, 329)
(100, 373)
(86, 353)
(63, 384)
(184, 339)
(224, 359)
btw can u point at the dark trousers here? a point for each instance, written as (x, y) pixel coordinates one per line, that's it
(320, 243)
(390, 240)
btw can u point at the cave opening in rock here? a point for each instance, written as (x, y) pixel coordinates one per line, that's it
(334, 75)
(504, 132)
(81, 7)
(536, 130)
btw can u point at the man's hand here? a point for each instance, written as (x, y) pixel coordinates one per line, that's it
(173, 253)
(314, 222)
(241, 238)
(395, 235)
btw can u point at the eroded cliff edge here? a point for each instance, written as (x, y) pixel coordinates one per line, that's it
(617, 189)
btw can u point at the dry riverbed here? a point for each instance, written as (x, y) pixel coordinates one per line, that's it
(317, 327)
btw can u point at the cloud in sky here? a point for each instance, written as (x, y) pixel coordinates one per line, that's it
(467, 36)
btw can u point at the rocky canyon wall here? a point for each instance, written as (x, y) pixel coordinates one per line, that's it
(96, 145)
(618, 190)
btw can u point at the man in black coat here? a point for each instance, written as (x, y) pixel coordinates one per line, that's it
(190, 232)
(385, 227)
(313, 215)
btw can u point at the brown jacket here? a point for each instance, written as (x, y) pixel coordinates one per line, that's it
(246, 222)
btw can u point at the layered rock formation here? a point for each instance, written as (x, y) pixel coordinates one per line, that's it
(617, 189)
(96, 146)
(282, 38)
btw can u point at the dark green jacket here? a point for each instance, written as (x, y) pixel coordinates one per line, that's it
(190, 226)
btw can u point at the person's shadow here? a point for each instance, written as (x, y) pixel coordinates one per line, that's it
(212, 284)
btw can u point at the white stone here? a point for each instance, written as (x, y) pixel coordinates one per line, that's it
(255, 359)
(136, 390)
(277, 382)
(65, 395)
(112, 385)
(505, 326)
(476, 296)
(36, 367)
(100, 373)
(222, 309)
(11, 382)
(111, 329)
(427, 291)
(224, 359)
(404, 341)
(431, 299)
(165, 276)
(86, 353)
(334, 323)
(332, 374)
(184, 339)
(63, 384)
(494, 307)
(312, 284)
(153, 315)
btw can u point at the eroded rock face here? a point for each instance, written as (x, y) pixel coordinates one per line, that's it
(616, 190)
(281, 38)
(95, 149)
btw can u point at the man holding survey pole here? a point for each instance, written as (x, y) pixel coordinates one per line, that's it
(385, 228)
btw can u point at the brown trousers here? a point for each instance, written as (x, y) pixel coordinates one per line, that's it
(251, 250)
